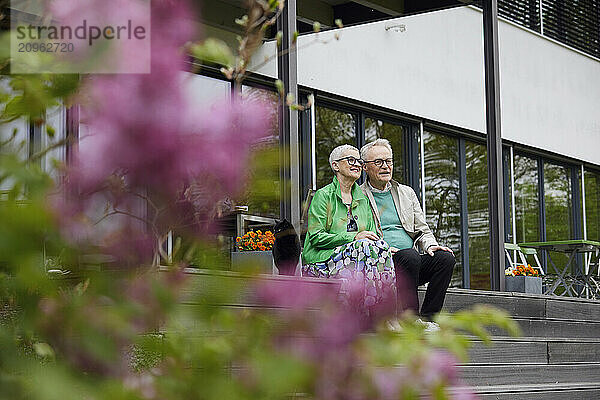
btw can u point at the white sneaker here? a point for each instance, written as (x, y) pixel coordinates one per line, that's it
(430, 326)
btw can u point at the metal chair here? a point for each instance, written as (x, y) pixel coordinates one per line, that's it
(522, 253)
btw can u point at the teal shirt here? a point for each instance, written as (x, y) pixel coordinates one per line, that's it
(328, 219)
(393, 232)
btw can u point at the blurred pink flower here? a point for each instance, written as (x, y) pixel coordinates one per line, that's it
(463, 393)
(141, 133)
(438, 367)
(389, 381)
(295, 295)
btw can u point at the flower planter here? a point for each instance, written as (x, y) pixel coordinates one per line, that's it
(524, 284)
(260, 262)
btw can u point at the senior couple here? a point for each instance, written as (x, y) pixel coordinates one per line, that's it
(375, 232)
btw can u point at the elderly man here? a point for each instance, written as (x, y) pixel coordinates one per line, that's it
(401, 221)
(341, 240)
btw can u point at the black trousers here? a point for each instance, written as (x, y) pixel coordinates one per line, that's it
(414, 269)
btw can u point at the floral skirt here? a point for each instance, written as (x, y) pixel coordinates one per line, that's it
(364, 261)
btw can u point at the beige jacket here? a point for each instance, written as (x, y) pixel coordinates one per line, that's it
(409, 211)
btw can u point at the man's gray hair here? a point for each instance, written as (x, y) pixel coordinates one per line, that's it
(338, 153)
(378, 142)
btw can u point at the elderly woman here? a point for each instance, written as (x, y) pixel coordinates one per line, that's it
(341, 241)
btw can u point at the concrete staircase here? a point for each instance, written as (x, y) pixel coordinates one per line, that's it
(558, 356)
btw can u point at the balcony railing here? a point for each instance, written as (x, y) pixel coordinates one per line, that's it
(575, 23)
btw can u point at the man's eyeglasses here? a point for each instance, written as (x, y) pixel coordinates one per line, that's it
(379, 162)
(351, 160)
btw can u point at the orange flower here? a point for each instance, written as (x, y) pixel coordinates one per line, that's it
(256, 240)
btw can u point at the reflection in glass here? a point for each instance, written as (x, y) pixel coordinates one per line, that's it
(592, 205)
(478, 215)
(442, 195)
(263, 189)
(376, 129)
(508, 226)
(527, 203)
(333, 128)
(557, 197)
(202, 90)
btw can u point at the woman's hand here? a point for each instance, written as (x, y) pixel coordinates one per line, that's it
(366, 235)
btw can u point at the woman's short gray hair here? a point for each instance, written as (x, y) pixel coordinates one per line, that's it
(338, 153)
(378, 142)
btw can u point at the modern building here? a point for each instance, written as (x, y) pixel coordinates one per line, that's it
(414, 73)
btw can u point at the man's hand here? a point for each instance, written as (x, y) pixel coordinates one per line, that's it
(366, 235)
(432, 249)
(394, 250)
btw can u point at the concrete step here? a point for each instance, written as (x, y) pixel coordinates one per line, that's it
(571, 394)
(230, 288)
(524, 305)
(569, 391)
(526, 374)
(508, 351)
(527, 350)
(553, 328)
(558, 356)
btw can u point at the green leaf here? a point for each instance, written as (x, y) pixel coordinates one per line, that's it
(289, 99)
(338, 23)
(214, 51)
(176, 246)
(316, 26)
(50, 131)
(43, 350)
(279, 87)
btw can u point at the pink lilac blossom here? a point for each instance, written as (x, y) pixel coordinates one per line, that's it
(324, 329)
(389, 382)
(142, 132)
(438, 367)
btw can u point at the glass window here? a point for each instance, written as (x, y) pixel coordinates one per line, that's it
(527, 203)
(557, 198)
(592, 205)
(507, 193)
(333, 128)
(442, 195)
(478, 215)
(263, 192)
(376, 129)
(202, 90)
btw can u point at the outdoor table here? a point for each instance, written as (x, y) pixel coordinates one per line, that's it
(571, 248)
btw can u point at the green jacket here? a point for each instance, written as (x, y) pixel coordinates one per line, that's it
(328, 218)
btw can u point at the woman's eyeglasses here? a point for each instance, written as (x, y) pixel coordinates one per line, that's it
(351, 160)
(379, 162)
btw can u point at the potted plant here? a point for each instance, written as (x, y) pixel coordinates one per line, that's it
(524, 279)
(254, 252)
